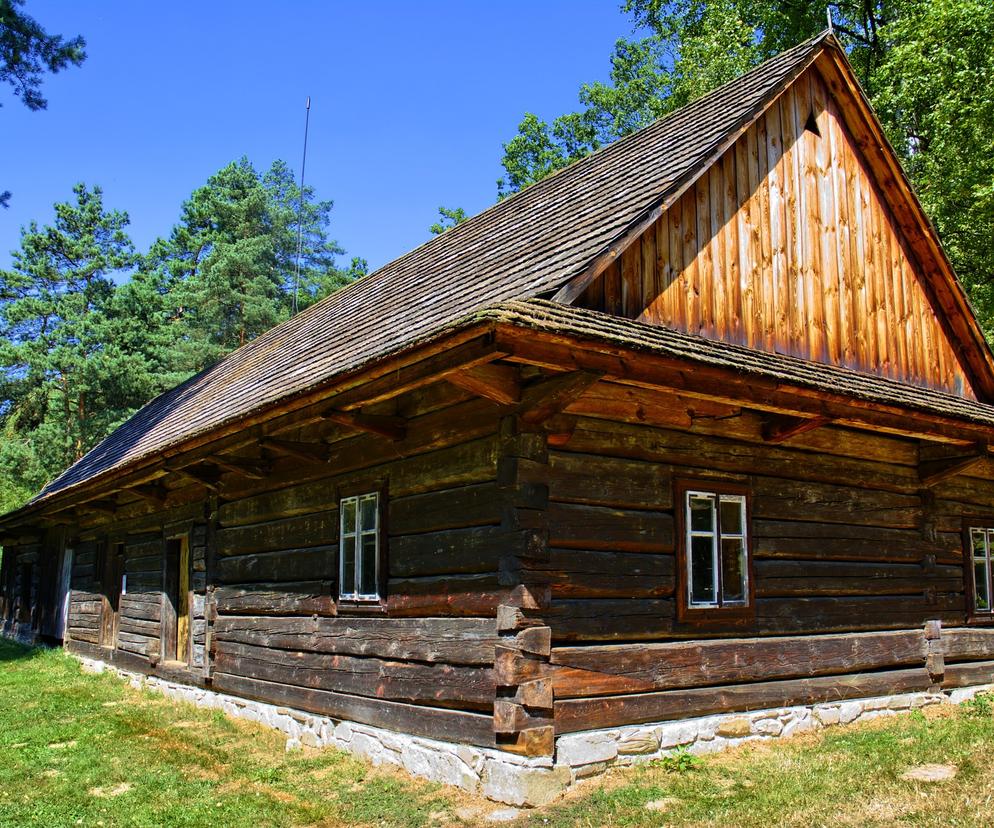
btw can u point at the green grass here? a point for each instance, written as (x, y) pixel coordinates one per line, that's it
(89, 750)
(77, 749)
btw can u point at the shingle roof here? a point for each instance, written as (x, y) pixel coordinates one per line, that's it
(525, 246)
(582, 324)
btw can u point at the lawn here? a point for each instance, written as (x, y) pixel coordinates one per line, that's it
(88, 750)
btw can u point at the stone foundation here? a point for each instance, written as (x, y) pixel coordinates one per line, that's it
(521, 781)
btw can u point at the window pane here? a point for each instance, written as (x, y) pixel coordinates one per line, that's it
(731, 516)
(733, 570)
(348, 565)
(348, 514)
(977, 538)
(982, 598)
(700, 514)
(367, 571)
(368, 516)
(701, 571)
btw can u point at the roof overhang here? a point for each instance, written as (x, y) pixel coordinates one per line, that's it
(565, 339)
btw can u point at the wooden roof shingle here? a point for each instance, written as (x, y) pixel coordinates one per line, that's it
(526, 246)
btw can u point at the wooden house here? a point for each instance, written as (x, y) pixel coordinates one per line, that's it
(699, 425)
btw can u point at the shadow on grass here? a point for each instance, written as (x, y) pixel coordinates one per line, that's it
(15, 651)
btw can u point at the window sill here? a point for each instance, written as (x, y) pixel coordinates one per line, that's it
(361, 607)
(980, 620)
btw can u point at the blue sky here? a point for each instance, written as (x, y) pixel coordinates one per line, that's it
(410, 104)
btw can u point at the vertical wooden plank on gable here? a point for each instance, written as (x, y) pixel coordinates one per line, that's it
(895, 310)
(733, 284)
(716, 210)
(688, 234)
(647, 271)
(854, 173)
(829, 226)
(810, 221)
(881, 226)
(845, 261)
(793, 241)
(631, 281)
(745, 181)
(705, 262)
(777, 165)
(764, 269)
(871, 267)
(681, 290)
(612, 288)
(663, 297)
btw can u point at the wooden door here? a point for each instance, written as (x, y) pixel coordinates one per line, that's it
(176, 601)
(113, 573)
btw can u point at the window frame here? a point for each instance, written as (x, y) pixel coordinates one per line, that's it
(737, 613)
(355, 601)
(971, 524)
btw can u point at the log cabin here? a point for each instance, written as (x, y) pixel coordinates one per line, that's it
(698, 426)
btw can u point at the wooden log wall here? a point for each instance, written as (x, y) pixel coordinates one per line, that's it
(423, 662)
(85, 594)
(844, 538)
(20, 586)
(786, 245)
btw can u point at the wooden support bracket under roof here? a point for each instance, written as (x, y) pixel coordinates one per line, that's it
(777, 428)
(246, 468)
(101, 507)
(209, 478)
(499, 383)
(932, 470)
(394, 428)
(154, 493)
(297, 449)
(549, 397)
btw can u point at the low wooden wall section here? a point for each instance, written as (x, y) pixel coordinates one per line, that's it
(423, 662)
(630, 684)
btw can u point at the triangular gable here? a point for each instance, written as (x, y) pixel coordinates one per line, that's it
(803, 237)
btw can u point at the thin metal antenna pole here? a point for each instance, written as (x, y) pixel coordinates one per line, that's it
(300, 209)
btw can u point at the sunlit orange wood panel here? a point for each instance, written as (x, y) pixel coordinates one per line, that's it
(786, 245)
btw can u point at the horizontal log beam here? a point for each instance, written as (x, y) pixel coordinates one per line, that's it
(549, 397)
(393, 428)
(778, 428)
(499, 383)
(246, 468)
(297, 449)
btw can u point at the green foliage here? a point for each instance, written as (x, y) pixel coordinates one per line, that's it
(680, 760)
(980, 706)
(82, 345)
(447, 219)
(65, 382)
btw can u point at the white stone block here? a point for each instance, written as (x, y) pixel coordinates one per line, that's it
(578, 749)
(518, 785)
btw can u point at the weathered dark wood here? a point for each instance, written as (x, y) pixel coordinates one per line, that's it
(432, 684)
(585, 573)
(968, 644)
(779, 429)
(450, 595)
(610, 619)
(474, 550)
(630, 668)
(449, 640)
(283, 598)
(284, 564)
(543, 399)
(585, 714)
(496, 382)
(297, 449)
(478, 505)
(437, 723)
(317, 529)
(596, 527)
(393, 428)
(966, 675)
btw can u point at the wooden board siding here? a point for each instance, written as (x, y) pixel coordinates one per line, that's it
(786, 245)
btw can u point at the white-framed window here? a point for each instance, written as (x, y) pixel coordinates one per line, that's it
(359, 556)
(717, 553)
(981, 550)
